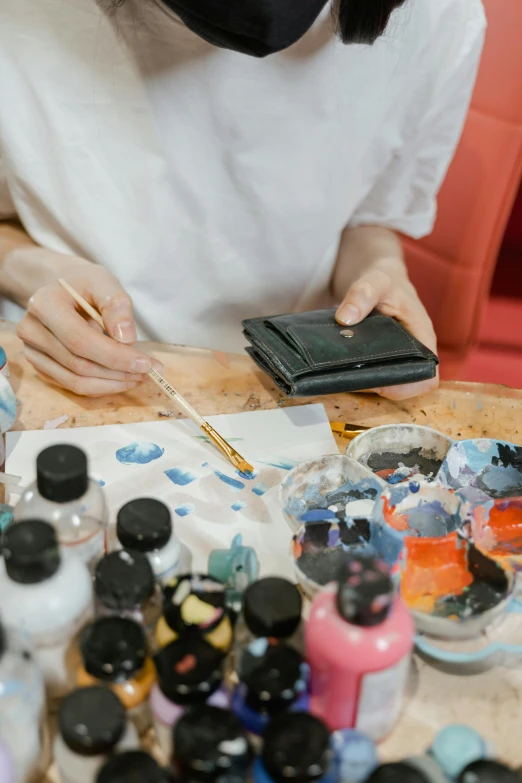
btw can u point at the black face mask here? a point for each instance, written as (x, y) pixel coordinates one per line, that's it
(255, 27)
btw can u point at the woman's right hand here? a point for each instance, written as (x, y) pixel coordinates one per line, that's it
(68, 348)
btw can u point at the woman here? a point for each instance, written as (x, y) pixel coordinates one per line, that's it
(212, 161)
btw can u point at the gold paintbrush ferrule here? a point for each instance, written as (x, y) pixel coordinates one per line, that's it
(229, 451)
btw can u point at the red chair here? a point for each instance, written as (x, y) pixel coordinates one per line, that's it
(453, 268)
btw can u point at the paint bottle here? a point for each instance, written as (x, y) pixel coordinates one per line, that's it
(455, 747)
(23, 725)
(124, 586)
(210, 745)
(278, 682)
(296, 746)
(114, 653)
(134, 766)
(47, 594)
(92, 726)
(190, 672)
(488, 772)
(271, 610)
(65, 496)
(237, 568)
(355, 756)
(359, 640)
(400, 772)
(195, 604)
(7, 770)
(145, 525)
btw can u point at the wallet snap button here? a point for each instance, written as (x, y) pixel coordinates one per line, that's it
(347, 333)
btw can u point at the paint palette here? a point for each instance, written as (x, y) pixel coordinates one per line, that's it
(322, 549)
(496, 529)
(328, 489)
(398, 453)
(492, 467)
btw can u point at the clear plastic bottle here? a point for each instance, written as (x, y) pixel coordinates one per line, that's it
(124, 586)
(190, 672)
(48, 595)
(23, 726)
(73, 504)
(93, 725)
(145, 525)
(210, 745)
(271, 611)
(134, 766)
(114, 653)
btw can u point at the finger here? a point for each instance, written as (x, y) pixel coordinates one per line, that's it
(410, 312)
(86, 387)
(115, 306)
(56, 310)
(36, 335)
(363, 296)
(409, 390)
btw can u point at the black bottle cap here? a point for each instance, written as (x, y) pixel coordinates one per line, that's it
(113, 649)
(296, 747)
(272, 608)
(189, 670)
(210, 743)
(190, 590)
(144, 525)
(365, 593)
(91, 720)
(275, 680)
(397, 773)
(31, 551)
(61, 473)
(135, 766)
(487, 771)
(123, 580)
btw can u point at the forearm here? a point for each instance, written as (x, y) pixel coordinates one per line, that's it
(22, 273)
(361, 248)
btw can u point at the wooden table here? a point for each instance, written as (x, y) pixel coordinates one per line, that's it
(219, 383)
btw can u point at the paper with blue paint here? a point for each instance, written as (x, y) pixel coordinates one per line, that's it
(209, 500)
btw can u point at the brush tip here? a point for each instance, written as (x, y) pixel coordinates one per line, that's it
(245, 467)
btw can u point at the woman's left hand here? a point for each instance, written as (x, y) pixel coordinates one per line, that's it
(385, 286)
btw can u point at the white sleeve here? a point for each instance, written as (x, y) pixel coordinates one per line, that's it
(404, 196)
(7, 207)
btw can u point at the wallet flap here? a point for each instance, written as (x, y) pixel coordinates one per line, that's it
(321, 342)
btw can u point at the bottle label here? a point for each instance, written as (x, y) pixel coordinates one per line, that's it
(380, 699)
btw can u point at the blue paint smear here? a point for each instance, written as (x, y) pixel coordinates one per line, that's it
(204, 464)
(232, 482)
(139, 453)
(180, 476)
(260, 489)
(249, 476)
(318, 515)
(238, 506)
(101, 482)
(184, 510)
(281, 464)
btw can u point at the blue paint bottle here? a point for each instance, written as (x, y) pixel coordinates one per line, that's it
(355, 756)
(237, 568)
(297, 747)
(455, 747)
(278, 683)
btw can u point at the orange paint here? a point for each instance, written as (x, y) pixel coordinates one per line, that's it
(434, 569)
(396, 521)
(501, 534)
(132, 692)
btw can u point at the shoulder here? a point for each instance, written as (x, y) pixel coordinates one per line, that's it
(454, 30)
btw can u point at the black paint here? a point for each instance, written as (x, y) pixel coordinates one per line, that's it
(389, 460)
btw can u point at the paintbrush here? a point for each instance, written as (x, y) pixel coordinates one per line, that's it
(349, 431)
(230, 453)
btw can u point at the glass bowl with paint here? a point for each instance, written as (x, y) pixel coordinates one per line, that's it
(418, 509)
(322, 549)
(483, 467)
(323, 488)
(400, 452)
(453, 590)
(496, 529)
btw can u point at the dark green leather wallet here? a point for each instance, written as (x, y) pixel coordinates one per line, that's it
(309, 354)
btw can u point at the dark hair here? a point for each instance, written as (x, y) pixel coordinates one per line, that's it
(363, 21)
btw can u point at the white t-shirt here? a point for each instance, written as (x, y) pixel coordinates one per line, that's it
(215, 186)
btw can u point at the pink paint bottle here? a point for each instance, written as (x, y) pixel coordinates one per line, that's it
(359, 640)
